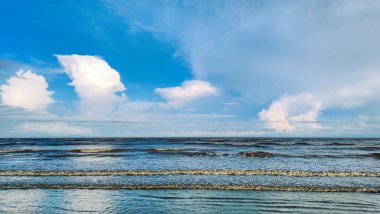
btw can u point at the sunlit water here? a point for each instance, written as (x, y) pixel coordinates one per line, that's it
(202, 175)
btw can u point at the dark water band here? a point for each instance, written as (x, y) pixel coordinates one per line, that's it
(192, 172)
(190, 186)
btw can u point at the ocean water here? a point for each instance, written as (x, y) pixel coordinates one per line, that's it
(187, 175)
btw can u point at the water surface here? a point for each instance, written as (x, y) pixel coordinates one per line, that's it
(190, 174)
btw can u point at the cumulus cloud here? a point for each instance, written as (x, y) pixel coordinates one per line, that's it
(307, 107)
(26, 90)
(263, 50)
(284, 113)
(248, 44)
(187, 92)
(95, 82)
(56, 128)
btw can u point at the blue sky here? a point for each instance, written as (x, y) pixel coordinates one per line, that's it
(189, 68)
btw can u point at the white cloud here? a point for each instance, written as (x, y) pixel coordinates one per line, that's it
(283, 114)
(26, 90)
(307, 107)
(187, 92)
(95, 82)
(360, 93)
(56, 128)
(263, 50)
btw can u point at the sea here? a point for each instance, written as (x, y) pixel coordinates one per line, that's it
(190, 175)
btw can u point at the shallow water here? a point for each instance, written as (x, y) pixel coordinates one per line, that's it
(252, 174)
(184, 201)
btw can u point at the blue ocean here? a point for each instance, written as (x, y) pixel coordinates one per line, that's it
(190, 175)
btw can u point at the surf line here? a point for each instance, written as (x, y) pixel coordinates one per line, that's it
(194, 186)
(191, 172)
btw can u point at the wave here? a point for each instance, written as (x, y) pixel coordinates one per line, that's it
(186, 152)
(375, 155)
(265, 143)
(96, 150)
(28, 150)
(16, 150)
(232, 144)
(167, 149)
(367, 155)
(193, 172)
(101, 150)
(195, 186)
(369, 148)
(190, 152)
(205, 154)
(258, 154)
(209, 153)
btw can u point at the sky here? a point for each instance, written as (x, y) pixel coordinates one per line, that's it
(234, 68)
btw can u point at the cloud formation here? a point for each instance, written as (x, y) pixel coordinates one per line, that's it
(26, 90)
(293, 65)
(305, 108)
(284, 113)
(95, 82)
(187, 92)
(248, 45)
(56, 128)
(322, 52)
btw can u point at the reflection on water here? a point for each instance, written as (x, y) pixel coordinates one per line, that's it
(19, 201)
(183, 201)
(92, 201)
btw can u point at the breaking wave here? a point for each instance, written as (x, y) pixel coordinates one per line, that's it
(195, 186)
(96, 150)
(193, 172)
